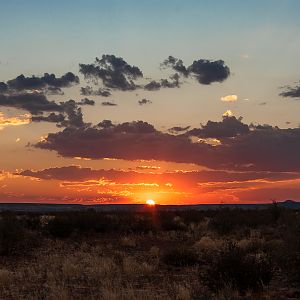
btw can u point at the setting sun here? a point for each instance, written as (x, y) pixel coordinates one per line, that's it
(150, 202)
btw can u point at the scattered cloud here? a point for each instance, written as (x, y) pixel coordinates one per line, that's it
(114, 72)
(144, 101)
(89, 91)
(35, 103)
(230, 126)
(203, 70)
(291, 92)
(228, 113)
(229, 98)
(242, 147)
(108, 103)
(86, 101)
(178, 129)
(48, 83)
(13, 121)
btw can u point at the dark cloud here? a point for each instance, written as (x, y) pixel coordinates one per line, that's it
(228, 127)
(172, 82)
(144, 101)
(49, 82)
(52, 117)
(176, 64)
(35, 103)
(152, 86)
(105, 124)
(108, 103)
(3, 87)
(130, 140)
(292, 92)
(203, 70)
(89, 91)
(86, 101)
(178, 129)
(263, 148)
(207, 71)
(114, 72)
(76, 173)
(70, 116)
(74, 115)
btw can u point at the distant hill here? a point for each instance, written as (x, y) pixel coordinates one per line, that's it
(33, 207)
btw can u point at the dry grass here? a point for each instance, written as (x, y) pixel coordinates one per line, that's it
(129, 265)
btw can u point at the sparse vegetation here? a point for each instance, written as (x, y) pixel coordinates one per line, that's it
(222, 254)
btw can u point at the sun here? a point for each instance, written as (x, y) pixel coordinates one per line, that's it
(150, 202)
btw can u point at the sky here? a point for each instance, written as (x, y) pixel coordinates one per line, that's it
(182, 102)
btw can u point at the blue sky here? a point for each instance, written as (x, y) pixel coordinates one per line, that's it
(56, 34)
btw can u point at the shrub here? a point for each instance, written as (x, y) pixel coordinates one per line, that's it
(11, 234)
(60, 227)
(170, 221)
(180, 257)
(242, 271)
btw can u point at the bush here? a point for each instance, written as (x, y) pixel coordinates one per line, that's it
(60, 227)
(14, 239)
(242, 271)
(180, 257)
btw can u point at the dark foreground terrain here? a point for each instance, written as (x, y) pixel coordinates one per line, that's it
(150, 253)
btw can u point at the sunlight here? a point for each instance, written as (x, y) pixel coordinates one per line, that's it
(150, 202)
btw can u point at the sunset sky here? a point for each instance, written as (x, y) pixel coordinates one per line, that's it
(182, 102)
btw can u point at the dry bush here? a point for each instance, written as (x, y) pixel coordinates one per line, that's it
(132, 267)
(180, 257)
(128, 241)
(183, 292)
(238, 269)
(154, 251)
(71, 269)
(6, 277)
(103, 267)
(208, 245)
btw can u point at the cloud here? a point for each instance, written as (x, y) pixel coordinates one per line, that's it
(178, 129)
(74, 115)
(70, 116)
(178, 178)
(172, 82)
(152, 86)
(86, 101)
(229, 98)
(176, 64)
(228, 113)
(144, 101)
(52, 117)
(259, 148)
(13, 121)
(89, 91)
(114, 72)
(228, 127)
(108, 103)
(35, 103)
(130, 140)
(203, 70)
(291, 92)
(48, 83)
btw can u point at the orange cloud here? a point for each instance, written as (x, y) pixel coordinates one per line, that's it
(14, 121)
(229, 98)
